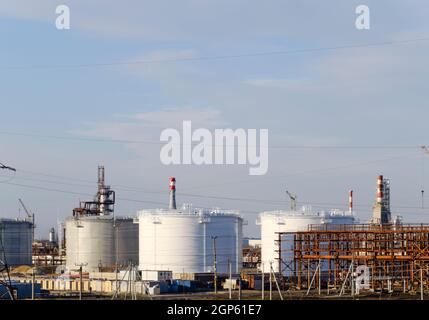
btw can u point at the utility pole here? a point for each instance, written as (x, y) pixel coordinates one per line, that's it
(271, 282)
(425, 149)
(421, 283)
(214, 264)
(230, 279)
(81, 283)
(4, 267)
(81, 278)
(4, 274)
(32, 285)
(320, 277)
(116, 256)
(352, 276)
(239, 287)
(263, 281)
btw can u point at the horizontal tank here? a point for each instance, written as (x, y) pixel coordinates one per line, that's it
(273, 222)
(17, 238)
(182, 241)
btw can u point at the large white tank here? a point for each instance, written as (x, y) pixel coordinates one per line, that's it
(126, 243)
(17, 239)
(182, 240)
(90, 242)
(100, 242)
(272, 222)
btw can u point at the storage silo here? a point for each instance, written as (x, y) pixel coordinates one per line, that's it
(272, 222)
(90, 242)
(185, 240)
(126, 241)
(17, 238)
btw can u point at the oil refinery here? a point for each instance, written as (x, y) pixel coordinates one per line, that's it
(174, 250)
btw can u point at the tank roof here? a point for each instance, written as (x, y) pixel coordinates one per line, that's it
(9, 220)
(307, 212)
(188, 210)
(91, 218)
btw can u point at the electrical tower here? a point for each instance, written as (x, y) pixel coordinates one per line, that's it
(5, 281)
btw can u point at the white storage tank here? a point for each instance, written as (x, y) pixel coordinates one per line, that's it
(126, 243)
(90, 242)
(101, 242)
(272, 222)
(17, 239)
(182, 240)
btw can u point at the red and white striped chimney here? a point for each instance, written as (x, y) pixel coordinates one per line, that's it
(172, 204)
(380, 189)
(351, 201)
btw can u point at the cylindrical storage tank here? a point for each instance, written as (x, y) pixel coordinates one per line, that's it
(126, 241)
(17, 240)
(182, 241)
(273, 222)
(228, 230)
(90, 242)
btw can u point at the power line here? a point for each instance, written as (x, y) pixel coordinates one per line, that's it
(213, 58)
(277, 176)
(314, 204)
(72, 192)
(89, 184)
(157, 142)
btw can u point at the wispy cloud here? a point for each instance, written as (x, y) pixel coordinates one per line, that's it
(276, 83)
(148, 125)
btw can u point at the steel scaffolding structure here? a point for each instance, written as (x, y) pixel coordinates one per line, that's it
(331, 257)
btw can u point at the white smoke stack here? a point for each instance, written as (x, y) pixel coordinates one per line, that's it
(380, 189)
(351, 201)
(172, 204)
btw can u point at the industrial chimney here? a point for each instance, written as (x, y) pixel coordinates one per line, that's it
(380, 190)
(103, 202)
(381, 210)
(172, 204)
(351, 201)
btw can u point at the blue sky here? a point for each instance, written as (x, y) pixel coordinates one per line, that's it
(369, 96)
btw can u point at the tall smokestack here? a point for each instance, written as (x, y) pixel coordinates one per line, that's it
(351, 201)
(172, 204)
(381, 212)
(380, 189)
(100, 177)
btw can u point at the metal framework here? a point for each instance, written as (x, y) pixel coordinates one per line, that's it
(328, 256)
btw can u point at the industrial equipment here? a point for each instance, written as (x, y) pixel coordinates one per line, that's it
(103, 203)
(97, 240)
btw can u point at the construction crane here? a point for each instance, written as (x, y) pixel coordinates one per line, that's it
(293, 198)
(30, 215)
